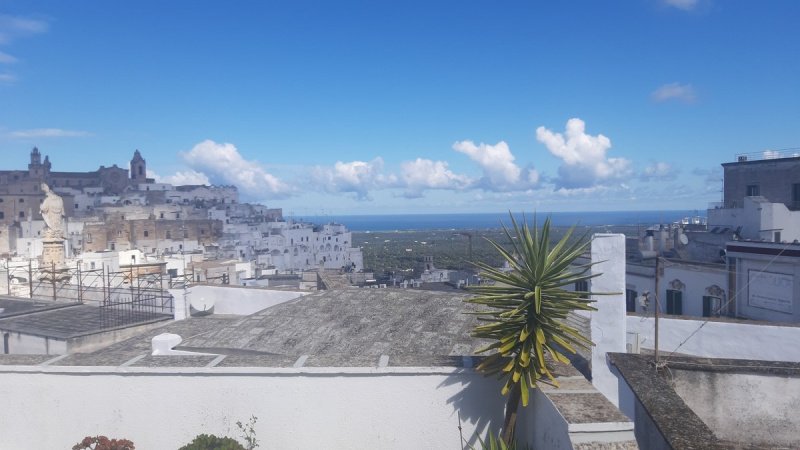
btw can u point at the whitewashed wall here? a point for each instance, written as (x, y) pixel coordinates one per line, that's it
(234, 300)
(719, 339)
(330, 409)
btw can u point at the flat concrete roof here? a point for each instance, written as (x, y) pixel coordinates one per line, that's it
(15, 306)
(334, 328)
(68, 320)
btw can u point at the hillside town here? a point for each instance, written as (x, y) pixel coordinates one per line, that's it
(117, 219)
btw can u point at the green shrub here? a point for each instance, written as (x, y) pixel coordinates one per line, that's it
(211, 442)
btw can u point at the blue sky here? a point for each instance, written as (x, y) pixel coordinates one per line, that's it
(394, 107)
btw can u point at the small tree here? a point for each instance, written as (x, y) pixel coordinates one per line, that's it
(528, 305)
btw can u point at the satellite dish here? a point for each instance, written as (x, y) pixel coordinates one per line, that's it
(201, 307)
(683, 239)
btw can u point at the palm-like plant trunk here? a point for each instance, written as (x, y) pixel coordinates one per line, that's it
(510, 422)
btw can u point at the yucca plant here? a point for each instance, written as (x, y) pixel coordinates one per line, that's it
(526, 310)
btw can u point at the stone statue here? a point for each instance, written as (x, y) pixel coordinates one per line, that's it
(52, 209)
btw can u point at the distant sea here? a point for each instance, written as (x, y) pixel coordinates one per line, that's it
(392, 222)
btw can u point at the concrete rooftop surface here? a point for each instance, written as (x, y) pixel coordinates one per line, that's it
(332, 328)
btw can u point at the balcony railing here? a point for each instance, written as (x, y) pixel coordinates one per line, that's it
(769, 154)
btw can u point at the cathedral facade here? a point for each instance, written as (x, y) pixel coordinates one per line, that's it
(21, 192)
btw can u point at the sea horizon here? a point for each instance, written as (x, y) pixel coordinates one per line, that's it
(411, 222)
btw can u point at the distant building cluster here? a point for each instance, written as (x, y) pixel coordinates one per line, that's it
(193, 229)
(743, 262)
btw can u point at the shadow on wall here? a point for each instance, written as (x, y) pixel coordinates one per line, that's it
(478, 403)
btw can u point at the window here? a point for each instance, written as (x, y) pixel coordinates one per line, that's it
(22, 214)
(1, 200)
(185, 233)
(582, 286)
(146, 233)
(2, 215)
(795, 193)
(777, 236)
(630, 300)
(22, 200)
(711, 306)
(674, 302)
(91, 265)
(169, 235)
(753, 190)
(161, 215)
(76, 206)
(113, 246)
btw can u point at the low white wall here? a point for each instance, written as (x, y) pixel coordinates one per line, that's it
(236, 300)
(719, 339)
(548, 428)
(322, 408)
(26, 344)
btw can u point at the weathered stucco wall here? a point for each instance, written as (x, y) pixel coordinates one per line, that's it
(719, 339)
(740, 407)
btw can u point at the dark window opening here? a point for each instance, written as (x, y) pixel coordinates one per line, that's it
(674, 302)
(583, 287)
(630, 300)
(753, 190)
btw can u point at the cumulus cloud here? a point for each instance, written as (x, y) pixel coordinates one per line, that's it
(686, 5)
(357, 177)
(500, 172)
(38, 133)
(584, 160)
(223, 162)
(660, 171)
(181, 178)
(422, 174)
(674, 91)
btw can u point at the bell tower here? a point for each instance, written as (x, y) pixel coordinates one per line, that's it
(138, 168)
(35, 168)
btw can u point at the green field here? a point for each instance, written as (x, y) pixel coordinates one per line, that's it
(404, 251)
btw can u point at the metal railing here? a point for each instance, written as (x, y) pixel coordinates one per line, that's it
(769, 154)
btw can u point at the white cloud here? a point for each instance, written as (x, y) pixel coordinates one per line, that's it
(40, 133)
(500, 172)
(659, 171)
(181, 178)
(674, 91)
(584, 160)
(12, 27)
(5, 58)
(358, 177)
(422, 174)
(686, 5)
(223, 162)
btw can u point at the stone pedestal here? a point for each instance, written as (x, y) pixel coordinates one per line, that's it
(53, 259)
